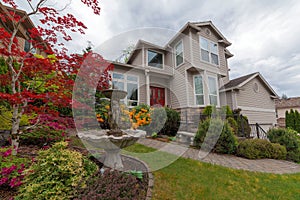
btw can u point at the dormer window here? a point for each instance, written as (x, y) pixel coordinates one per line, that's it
(179, 53)
(155, 59)
(209, 51)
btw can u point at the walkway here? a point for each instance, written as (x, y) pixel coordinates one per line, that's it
(260, 165)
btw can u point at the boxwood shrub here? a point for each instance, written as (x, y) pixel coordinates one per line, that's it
(258, 148)
(208, 137)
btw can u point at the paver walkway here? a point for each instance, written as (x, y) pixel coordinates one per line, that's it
(260, 165)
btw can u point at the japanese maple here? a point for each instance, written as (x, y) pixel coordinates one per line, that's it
(42, 83)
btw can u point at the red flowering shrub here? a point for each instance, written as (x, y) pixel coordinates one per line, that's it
(11, 168)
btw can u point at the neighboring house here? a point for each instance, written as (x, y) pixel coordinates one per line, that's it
(188, 73)
(283, 105)
(22, 34)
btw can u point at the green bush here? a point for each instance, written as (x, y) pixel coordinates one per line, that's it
(208, 137)
(233, 124)
(6, 116)
(287, 138)
(258, 148)
(172, 124)
(244, 129)
(55, 174)
(41, 136)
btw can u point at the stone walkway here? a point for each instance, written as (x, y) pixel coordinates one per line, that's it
(260, 165)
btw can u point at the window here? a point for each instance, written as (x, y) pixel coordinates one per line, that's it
(213, 90)
(179, 53)
(155, 59)
(198, 86)
(128, 83)
(27, 46)
(209, 51)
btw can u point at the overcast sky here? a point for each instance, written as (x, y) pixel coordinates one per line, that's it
(265, 35)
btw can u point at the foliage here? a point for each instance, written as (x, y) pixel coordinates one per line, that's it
(233, 124)
(6, 116)
(11, 168)
(258, 148)
(287, 138)
(140, 116)
(137, 174)
(41, 136)
(55, 174)
(244, 129)
(172, 124)
(210, 111)
(292, 120)
(216, 135)
(112, 185)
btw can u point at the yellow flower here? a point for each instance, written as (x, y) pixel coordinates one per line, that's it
(107, 107)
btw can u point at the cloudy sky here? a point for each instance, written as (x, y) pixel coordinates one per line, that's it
(265, 35)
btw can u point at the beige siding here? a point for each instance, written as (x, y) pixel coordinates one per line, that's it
(178, 89)
(249, 98)
(137, 59)
(281, 111)
(260, 117)
(226, 99)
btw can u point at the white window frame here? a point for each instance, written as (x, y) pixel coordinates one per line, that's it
(125, 81)
(209, 51)
(163, 59)
(203, 93)
(176, 54)
(217, 89)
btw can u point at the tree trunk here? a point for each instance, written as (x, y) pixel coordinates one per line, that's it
(15, 129)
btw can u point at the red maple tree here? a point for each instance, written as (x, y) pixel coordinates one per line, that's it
(41, 83)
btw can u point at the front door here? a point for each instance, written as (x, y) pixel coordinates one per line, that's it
(157, 96)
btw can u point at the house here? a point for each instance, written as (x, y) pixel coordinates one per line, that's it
(190, 72)
(23, 35)
(254, 96)
(283, 105)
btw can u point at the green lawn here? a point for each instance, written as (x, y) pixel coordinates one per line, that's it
(189, 179)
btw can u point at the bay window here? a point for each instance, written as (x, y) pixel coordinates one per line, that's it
(213, 90)
(198, 89)
(155, 59)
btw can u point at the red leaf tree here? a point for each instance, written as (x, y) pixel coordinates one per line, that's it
(40, 78)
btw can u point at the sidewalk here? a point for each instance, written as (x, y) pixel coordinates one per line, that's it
(260, 165)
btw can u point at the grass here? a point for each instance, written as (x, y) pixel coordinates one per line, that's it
(189, 179)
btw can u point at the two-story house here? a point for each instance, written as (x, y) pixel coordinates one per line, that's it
(190, 72)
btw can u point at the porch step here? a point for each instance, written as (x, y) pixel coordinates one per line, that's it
(185, 137)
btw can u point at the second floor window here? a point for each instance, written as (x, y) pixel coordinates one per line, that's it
(179, 53)
(209, 51)
(155, 59)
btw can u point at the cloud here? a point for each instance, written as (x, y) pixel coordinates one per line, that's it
(264, 34)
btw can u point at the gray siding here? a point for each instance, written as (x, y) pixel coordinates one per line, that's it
(249, 98)
(137, 59)
(178, 89)
(260, 117)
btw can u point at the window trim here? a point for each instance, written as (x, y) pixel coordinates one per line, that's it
(217, 89)
(163, 59)
(209, 51)
(203, 93)
(125, 81)
(175, 53)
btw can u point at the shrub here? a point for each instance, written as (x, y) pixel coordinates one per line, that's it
(6, 116)
(41, 136)
(56, 172)
(244, 129)
(208, 136)
(140, 116)
(287, 138)
(258, 148)
(172, 124)
(11, 168)
(112, 185)
(158, 119)
(209, 111)
(233, 124)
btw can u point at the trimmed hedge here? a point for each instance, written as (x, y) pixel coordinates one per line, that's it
(215, 135)
(258, 148)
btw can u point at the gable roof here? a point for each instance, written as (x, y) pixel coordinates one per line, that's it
(241, 81)
(288, 103)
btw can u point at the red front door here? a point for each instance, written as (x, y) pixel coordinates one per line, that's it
(157, 96)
